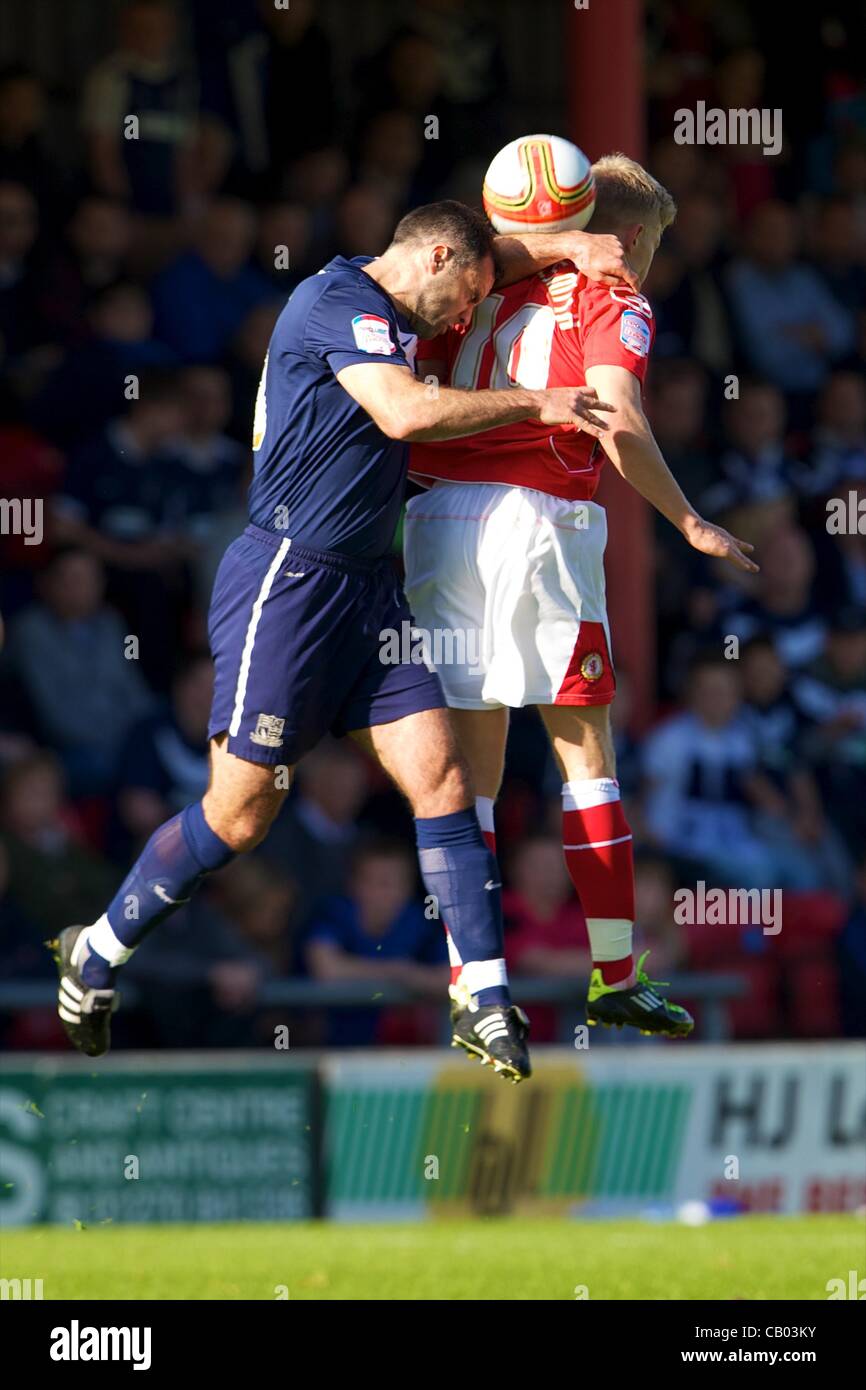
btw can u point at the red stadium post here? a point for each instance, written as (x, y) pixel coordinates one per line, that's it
(604, 54)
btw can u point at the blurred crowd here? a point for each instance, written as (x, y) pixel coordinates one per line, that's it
(139, 284)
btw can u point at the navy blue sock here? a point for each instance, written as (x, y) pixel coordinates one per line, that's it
(461, 873)
(169, 869)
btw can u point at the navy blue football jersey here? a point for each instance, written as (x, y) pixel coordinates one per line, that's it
(325, 474)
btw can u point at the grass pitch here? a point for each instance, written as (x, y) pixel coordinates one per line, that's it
(743, 1258)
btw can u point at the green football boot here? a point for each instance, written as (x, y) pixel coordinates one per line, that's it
(639, 1007)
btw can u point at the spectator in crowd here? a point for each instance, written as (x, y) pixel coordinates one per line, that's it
(473, 70)
(677, 406)
(377, 931)
(113, 500)
(784, 603)
(782, 731)
(544, 923)
(68, 652)
(756, 466)
(92, 257)
(84, 392)
(198, 983)
(114, 504)
(655, 883)
(164, 763)
(202, 298)
(793, 329)
(152, 164)
(364, 222)
(283, 251)
(206, 465)
(837, 252)
(838, 453)
(298, 71)
(389, 158)
(315, 834)
(24, 149)
(262, 901)
(20, 327)
(53, 878)
(704, 785)
(244, 360)
(693, 318)
(831, 691)
(626, 745)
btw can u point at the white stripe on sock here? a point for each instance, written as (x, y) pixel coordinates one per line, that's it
(600, 844)
(244, 672)
(483, 974)
(595, 791)
(101, 939)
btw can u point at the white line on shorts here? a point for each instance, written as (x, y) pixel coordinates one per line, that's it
(244, 672)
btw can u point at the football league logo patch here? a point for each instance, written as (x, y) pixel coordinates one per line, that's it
(634, 333)
(592, 666)
(372, 334)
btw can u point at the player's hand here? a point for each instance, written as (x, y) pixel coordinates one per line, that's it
(573, 405)
(716, 541)
(601, 258)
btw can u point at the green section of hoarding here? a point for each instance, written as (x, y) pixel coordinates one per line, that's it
(564, 1141)
(156, 1143)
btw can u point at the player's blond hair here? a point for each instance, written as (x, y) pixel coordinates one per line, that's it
(626, 193)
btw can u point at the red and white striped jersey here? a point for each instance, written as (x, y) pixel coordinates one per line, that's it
(543, 331)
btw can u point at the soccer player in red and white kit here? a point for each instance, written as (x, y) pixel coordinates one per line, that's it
(505, 549)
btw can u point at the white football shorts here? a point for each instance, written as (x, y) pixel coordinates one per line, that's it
(506, 588)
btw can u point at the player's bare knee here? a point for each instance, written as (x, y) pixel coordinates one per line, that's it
(241, 828)
(448, 789)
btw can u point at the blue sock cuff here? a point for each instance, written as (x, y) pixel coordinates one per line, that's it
(204, 845)
(440, 832)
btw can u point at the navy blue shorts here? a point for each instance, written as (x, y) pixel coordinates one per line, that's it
(295, 637)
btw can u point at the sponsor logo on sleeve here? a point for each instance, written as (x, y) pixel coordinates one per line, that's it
(634, 333)
(372, 334)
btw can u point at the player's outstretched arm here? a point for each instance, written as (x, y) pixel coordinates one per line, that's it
(404, 408)
(633, 451)
(598, 256)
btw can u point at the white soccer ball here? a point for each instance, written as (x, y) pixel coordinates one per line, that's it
(539, 183)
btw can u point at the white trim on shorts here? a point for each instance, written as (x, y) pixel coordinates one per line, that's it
(249, 641)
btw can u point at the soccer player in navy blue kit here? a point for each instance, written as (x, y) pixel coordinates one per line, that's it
(303, 598)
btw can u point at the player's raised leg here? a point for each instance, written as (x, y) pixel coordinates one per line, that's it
(597, 843)
(233, 816)
(421, 754)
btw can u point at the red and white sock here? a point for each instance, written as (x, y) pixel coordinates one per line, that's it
(484, 811)
(597, 842)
